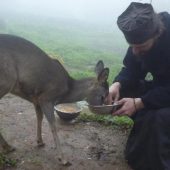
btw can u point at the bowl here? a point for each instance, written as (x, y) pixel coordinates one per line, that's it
(104, 109)
(67, 111)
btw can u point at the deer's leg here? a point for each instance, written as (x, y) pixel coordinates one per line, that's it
(39, 114)
(5, 146)
(48, 110)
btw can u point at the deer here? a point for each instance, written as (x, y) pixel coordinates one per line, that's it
(28, 72)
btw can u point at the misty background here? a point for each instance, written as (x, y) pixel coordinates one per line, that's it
(77, 32)
(87, 10)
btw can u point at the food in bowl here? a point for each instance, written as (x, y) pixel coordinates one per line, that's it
(67, 108)
(67, 111)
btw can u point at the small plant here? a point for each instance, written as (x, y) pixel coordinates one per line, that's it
(6, 162)
(123, 121)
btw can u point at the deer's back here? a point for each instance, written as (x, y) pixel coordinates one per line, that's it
(30, 67)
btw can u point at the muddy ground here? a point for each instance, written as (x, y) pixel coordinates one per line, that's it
(88, 146)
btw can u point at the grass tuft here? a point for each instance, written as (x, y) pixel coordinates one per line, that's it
(6, 162)
(121, 121)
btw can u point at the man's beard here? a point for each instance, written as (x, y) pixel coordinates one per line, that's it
(142, 54)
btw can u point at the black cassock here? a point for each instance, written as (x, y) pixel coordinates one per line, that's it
(148, 145)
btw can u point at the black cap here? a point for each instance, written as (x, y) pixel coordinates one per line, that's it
(138, 22)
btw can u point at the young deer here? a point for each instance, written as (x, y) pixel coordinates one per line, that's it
(26, 71)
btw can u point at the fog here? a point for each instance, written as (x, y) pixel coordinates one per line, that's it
(70, 29)
(100, 11)
(90, 23)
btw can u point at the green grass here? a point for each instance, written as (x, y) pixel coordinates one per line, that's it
(121, 121)
(6, 162)
(78, 45)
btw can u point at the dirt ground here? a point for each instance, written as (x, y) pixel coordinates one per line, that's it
(88, 146)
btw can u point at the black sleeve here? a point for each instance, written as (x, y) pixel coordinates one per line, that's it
(157, 97)
(131, 72)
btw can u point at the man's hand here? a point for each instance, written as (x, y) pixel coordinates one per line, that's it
(113, 93)
(129, 106)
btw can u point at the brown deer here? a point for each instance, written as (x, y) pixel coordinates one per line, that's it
(28, 72)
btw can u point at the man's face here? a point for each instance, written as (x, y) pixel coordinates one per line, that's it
(142, 49)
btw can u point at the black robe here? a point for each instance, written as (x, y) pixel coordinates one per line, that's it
(148, 146)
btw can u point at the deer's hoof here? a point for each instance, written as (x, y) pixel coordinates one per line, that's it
(64, 162)
(40, 144)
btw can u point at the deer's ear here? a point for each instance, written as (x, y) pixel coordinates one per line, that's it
(99, 67)
(103, 76)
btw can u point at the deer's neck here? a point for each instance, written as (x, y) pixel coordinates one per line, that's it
(79, 89)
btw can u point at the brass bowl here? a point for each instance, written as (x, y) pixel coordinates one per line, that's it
(67, 111)
(104, 109)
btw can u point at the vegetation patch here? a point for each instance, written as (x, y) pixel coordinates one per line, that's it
(121, 121)
(6, 162)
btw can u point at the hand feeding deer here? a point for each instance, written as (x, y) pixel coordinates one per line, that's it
(28, 72)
